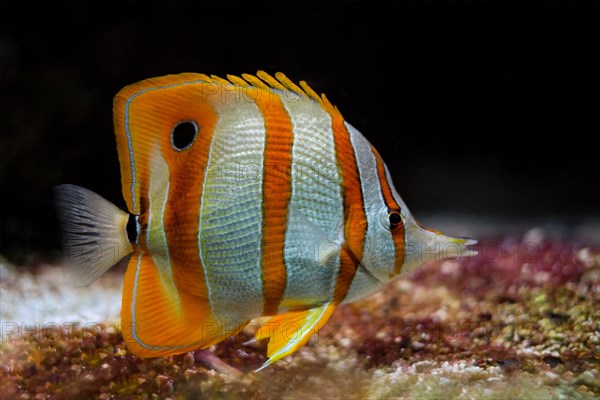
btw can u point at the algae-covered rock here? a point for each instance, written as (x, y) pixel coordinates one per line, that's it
(524, 324)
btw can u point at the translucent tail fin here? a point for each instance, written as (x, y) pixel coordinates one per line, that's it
(94, 233)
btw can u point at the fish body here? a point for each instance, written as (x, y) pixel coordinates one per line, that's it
(252, 196)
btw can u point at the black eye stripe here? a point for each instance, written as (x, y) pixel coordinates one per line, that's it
(183, 135)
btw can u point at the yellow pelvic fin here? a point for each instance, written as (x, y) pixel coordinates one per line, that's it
(159, 321)
(290, 331)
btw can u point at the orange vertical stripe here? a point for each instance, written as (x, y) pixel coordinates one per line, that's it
(182, 213)
(398, 232)
(277, 192)
(152, 117)
(355, 219)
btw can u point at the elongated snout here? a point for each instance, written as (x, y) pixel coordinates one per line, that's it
(424, 245)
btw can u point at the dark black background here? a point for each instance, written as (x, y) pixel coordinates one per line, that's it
(486, 109)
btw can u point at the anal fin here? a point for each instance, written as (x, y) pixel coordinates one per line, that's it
(158, 319)
(290, 331)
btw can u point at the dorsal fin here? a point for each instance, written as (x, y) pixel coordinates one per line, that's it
(280, 81)
(261, 80)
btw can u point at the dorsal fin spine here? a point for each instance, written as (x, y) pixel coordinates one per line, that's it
(274, 83)
(236, 80)
(291, 86)
(218, 79)
(255, 81)
(310, 92)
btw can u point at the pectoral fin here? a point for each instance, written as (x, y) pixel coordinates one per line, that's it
(327, 248)
(290, 331)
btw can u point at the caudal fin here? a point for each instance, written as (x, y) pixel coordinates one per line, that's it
(94, 233)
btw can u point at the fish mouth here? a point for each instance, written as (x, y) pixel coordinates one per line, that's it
(460, 244)
(428, 244)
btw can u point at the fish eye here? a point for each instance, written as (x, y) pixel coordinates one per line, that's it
(395, 219)
(183, 135)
